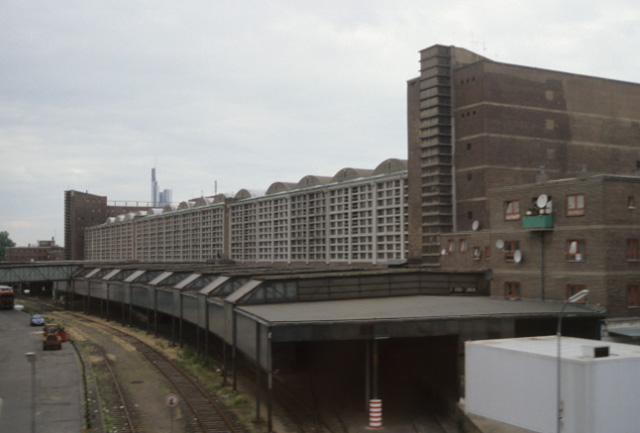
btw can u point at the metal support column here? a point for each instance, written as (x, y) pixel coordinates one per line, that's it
(374, 370)
(270, 381)
(107, 294)
(130, 305)
(206, 328)
(198, 338)
(224, 361)
(173, 330)
(123, 308)
(234, 337)
(155, 312)
(88, 298)
(367, 374)
(258, 371)
(542, 266)
(181, 319)
(73, 294)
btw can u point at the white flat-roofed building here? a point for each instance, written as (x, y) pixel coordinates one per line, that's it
(514, 381)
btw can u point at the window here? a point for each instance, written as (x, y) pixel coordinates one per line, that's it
(633, 296)
(512, 210)
(510, 247)
(633, 250)
(463, 245)
(487, 252)
(477, 253)
(576, 250)
(572, 289)
(631, 202)
(512, 290)
(452, 246)
(575, 205)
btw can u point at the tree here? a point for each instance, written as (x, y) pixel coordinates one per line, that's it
(5, 241)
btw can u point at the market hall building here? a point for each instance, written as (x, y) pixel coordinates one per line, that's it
(343, 337)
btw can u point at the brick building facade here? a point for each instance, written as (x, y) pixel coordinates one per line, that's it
(588, 237)
(475, 124)
(82, 210)
(43, 251)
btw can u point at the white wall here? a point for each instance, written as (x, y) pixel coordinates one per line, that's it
(519, 387)
(511, 387)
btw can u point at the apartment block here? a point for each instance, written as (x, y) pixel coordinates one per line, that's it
(356, 216)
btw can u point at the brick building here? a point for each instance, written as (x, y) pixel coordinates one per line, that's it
(43, 251)
(587, 236)
(82, 210)
(475, 124)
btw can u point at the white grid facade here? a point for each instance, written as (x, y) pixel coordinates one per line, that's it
(361, 220)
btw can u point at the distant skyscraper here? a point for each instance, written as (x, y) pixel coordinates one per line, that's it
(159, 198)
(154, 188)
(165, 197)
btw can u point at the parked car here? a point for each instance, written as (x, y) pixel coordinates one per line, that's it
(37, 320)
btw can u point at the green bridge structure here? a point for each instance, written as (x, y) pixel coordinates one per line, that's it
(20, 273)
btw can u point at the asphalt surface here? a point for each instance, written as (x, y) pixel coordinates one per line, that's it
(58, 380)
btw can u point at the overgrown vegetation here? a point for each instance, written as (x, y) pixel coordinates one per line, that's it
(208, 374)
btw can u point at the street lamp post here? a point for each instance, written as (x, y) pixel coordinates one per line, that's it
(31, 357)
(574, 298)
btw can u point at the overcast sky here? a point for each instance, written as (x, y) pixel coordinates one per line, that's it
(93, 94)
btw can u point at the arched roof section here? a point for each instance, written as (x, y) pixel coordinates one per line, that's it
(219, 198)
(277, 187)
(169, 208)
(185, 205)
(391, 165)
(154, 211)
(202, 201)
(311, 180)
(246, 193)
(350, 174)
(110, 220)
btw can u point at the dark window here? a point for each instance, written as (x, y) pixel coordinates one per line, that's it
(512, 290)
(510, 247)
(572, 289)
(576, 250)
(512, 210)
(575, 205)
(477, 253)
(633, 296)
(633, 250)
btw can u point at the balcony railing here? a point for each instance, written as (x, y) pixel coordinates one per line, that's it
(537, 222)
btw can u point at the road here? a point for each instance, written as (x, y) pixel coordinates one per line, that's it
(58, 380)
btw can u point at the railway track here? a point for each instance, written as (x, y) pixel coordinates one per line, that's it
(205, 413)
(120, 414)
